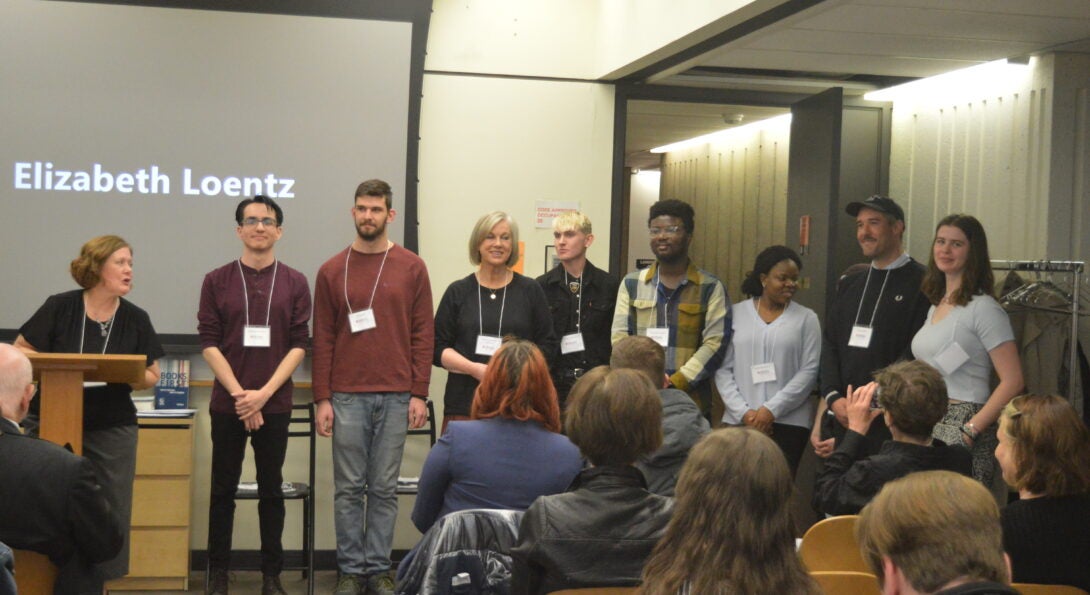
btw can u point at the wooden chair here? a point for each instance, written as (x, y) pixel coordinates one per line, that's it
(830, 546)
(1035, 589)
(598, 591)
(34, 573)
(847, 583)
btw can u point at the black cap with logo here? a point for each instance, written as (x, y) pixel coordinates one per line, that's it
(882, 204)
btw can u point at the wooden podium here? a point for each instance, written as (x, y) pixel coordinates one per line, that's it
(61, 377)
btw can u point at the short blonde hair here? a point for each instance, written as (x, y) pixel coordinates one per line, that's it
(936, 526)
(87, 268)
(572, 220)
(484, 227)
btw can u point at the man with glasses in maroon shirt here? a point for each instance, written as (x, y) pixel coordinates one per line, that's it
(253, 326)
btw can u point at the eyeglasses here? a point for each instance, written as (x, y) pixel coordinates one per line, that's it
(668, 231)
(253, 221)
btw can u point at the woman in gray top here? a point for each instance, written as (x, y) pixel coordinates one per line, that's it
(967, 335)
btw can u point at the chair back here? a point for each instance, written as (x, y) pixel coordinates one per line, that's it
(1035, 589)
(847, 583)
(830, 545)
(302, 426)
(34, 572)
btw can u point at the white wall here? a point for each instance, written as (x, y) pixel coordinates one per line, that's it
(518, 37)
(636, 33)
(982, 153)
(578, 39)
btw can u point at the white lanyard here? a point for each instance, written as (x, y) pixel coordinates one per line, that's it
(83, 328)
(377, 277)
(876, 302)
(480, 308)
(579, 307)
(246, 294)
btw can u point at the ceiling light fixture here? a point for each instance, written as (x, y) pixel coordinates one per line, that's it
(990, 78)
(781, 120)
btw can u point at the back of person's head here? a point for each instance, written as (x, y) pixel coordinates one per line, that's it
(614, 416)
(934, 527)
(1049, 444)
(640, 353)
(16, 375)
(672, 207)
(517, 385)
(914, 395)
(732, 529)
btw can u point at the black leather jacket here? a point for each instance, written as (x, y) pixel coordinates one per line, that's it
(598, 534)
(596, 320)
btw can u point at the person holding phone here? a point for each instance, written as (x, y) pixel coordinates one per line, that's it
(912, 400)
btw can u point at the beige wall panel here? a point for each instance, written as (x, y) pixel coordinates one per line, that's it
(986, 156)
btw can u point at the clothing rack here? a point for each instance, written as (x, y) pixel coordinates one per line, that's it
(1075, 268)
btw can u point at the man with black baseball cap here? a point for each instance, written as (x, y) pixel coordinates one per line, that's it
(871, 322)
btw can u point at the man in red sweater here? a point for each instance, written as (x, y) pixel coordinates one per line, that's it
(373, 341)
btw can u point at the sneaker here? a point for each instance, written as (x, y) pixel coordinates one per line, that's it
(270, 585)
(217, 584)
(380, 584)
(348, 584)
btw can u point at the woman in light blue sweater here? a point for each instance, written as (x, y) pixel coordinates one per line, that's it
(772, 362)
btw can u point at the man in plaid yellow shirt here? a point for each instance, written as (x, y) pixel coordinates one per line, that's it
(683, 308)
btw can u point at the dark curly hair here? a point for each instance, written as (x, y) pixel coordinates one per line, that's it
(766, 260)
(673, 207)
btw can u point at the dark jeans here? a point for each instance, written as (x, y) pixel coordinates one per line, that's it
(270, 443)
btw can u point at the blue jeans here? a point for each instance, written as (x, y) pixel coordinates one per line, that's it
(368, 439)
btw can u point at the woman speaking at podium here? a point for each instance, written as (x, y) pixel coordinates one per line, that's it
(96, 319)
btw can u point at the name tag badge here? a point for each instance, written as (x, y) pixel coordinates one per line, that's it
(763, 372)
(256, 336)
(572, 343)
(487, 345)
(364, 320)
(660, 335)
(860, 336)
(951, 358)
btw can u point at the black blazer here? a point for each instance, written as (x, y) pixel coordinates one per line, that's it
(52, 503)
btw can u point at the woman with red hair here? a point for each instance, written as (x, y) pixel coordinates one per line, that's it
(510, 452)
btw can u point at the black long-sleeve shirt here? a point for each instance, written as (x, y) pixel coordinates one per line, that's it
(849, 481)
(466, 310)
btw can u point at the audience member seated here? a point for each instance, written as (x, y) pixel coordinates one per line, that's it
(935, 532)
(732, 529)
(912, 397)
(1044, 452)
(682, 423)
(599, 533)
(510, 453)
(50, 500)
